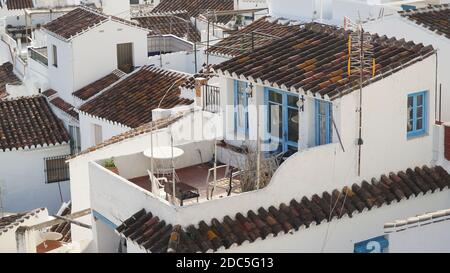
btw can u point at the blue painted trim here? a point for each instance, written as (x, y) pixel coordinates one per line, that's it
(418, 132)
(407, 7)
(105, 220)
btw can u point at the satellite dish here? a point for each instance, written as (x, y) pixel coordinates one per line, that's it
(51, 236)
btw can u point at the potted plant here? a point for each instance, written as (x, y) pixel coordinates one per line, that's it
(109, 164)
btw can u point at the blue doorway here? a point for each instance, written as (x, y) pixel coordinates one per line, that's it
(282, 119)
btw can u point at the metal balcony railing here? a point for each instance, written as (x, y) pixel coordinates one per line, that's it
(211, 98)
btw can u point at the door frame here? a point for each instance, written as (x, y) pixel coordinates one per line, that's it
(283, 140)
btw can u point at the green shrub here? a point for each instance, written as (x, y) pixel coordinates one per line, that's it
(109, 163)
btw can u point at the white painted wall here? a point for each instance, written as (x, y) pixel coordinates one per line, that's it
(109, 129)
(396, 26)
(61, 77)
(184, 61)
(429, 238)
(119, 8)
(22, 180)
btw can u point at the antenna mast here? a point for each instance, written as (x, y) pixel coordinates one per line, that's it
(361, 63)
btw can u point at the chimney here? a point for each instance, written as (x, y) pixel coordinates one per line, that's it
(199, 83)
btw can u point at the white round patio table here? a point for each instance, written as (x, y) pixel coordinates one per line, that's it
(163, 152)
(162, 156)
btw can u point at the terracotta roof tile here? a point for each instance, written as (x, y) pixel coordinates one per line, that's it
(65, 107)
(7, 76)
(285, 218)
(49, 93)
(94, 88)
(196, 7)
(28, 122)
(130, 102)
(79, 20)
(259, 33)
(170, 24)
(315, 66)
(19, 4)
(434, 17)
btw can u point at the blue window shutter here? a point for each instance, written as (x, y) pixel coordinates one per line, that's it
(415, 131)
(317, 118)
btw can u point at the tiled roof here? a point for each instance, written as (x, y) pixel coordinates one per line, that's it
(79, 20)
(94, 88)
(64, 227)
(55, 100)
(16, 219)
(196, 7)
(315, 60)
(143, 129)
(130, 101)
(265, 30)
(171, 24)
(19, 4)
(155, 235)
(49, 93)
(7, 76)
(27, 122)
(65, 107)
(436, 18)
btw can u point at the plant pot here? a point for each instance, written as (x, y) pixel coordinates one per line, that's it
(113, 169)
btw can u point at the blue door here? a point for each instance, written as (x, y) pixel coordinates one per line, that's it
(282, 119)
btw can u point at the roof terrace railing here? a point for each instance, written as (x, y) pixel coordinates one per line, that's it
(37, 56)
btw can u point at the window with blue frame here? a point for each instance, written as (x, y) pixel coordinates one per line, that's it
(240, 107)
(282, 119)
(417, 114)
(323, 112)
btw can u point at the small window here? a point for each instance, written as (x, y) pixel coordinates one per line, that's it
(55, 56)
(240, 107)
(75, 143)
(417, 114)
(97, 134)
(323, 122)
(56, 169)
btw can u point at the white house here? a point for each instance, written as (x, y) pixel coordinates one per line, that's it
(94, 45)
(33, 172)
(371, 159)
(129, 102)
(74, 58)
(429, 26)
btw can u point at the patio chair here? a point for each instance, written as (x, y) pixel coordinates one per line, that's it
(228, 182)
(159, 182)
